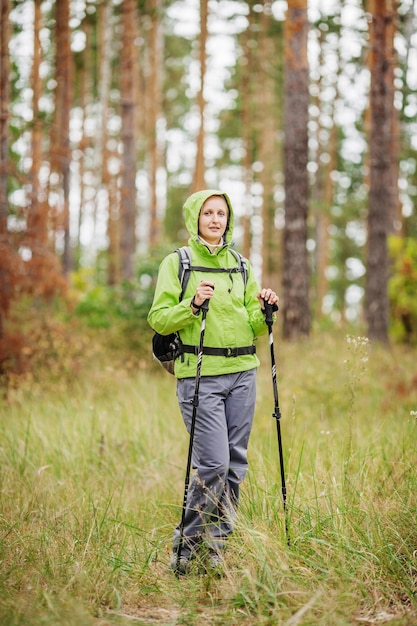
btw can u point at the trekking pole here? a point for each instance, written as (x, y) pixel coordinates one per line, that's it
(269, 309)
(204, 309)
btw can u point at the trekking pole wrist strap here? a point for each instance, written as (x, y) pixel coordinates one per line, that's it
(195, 306)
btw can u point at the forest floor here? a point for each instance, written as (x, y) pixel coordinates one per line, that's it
(92, 481)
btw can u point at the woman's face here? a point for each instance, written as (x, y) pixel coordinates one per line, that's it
(212, 221)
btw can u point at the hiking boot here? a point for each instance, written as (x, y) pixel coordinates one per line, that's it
(215, 564)
(180, 566)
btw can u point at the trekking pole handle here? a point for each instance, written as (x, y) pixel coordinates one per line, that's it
(205, 306)
(269, 310)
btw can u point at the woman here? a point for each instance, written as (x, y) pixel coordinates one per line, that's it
(228, 377)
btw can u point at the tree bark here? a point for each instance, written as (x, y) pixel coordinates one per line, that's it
(154, 111)
(5, 257)
(268, 152)
(199, 176)
(60, 141)
(108, 180)
(248, 71)
(37, 226)
(4, 112)
(64, 77)
(395, 214)
(376, 303)
(323, 185)
(295, 262)
(128, 186)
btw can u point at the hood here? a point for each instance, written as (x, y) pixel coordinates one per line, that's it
(192, 209)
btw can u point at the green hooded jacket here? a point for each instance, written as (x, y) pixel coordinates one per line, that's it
(234, 318)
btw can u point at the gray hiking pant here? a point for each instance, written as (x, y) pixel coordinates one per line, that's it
(222, 428)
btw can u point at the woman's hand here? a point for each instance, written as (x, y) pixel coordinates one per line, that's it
(204, 291)
(267, 295)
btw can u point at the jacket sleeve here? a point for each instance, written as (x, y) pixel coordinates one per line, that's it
(168, 314)
(256, 317)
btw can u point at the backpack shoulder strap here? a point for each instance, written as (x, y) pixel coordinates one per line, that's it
(184, 255)
(185, 267)
(243, 266)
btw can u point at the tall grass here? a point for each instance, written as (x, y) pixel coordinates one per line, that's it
(92, 477)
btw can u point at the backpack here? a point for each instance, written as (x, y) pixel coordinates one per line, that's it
(166, 348)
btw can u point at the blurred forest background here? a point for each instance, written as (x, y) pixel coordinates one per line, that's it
(114, 111)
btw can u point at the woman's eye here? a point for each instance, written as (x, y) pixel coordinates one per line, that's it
(210, 214)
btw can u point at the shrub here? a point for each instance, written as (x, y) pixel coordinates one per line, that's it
(402, 288)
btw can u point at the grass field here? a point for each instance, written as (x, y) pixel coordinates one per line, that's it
(92, 478)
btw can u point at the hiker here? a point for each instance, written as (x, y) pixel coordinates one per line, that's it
(227, 387)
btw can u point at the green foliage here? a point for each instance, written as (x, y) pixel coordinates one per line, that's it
(174, 226)
(402, 288)
(121, 310)
(66, 334)
(100, 304)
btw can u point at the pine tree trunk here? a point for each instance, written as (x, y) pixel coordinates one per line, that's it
(199, 176)
(268, 152)
(247, 130)
(5, 286)
(4, 113)
(64, 90)
(38, 215)
(108, 180)
(395, 215)
(295, 263)
(376, 304)
(323, 186)
(128, 186)
(323, 221)
(154, 110)
(84, 142)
